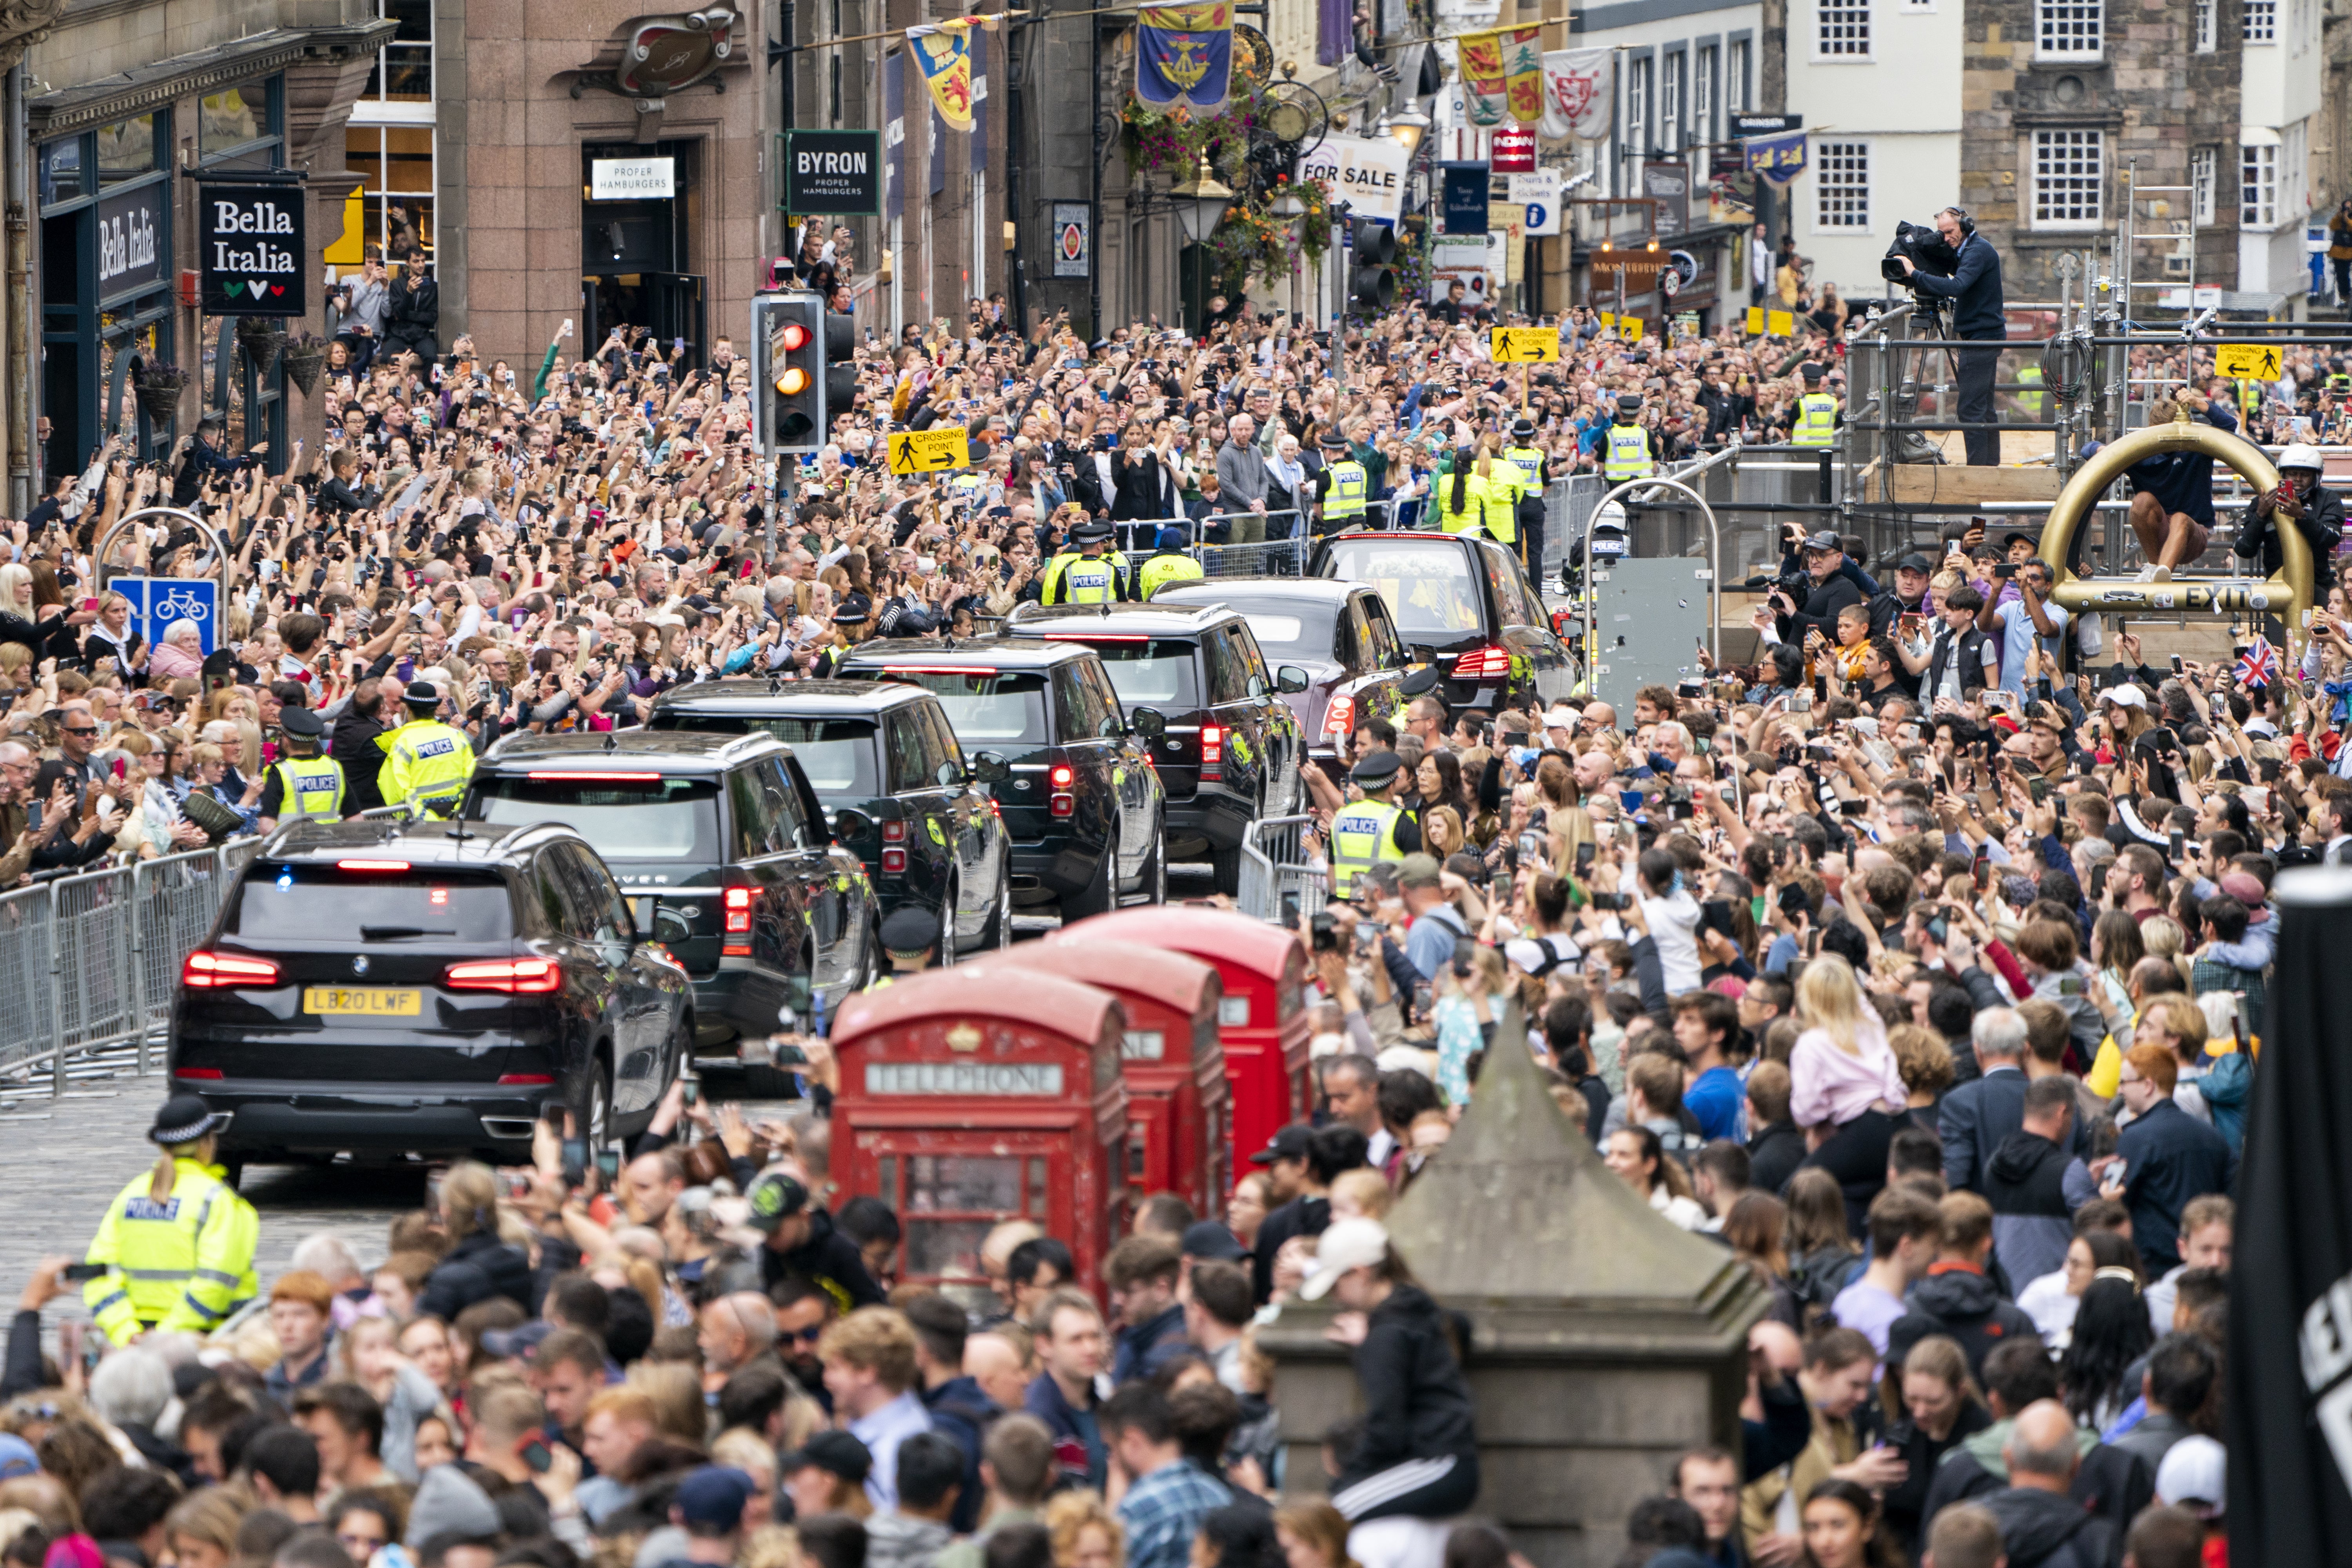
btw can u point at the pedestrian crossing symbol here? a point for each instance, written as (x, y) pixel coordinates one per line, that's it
(1527, 345)
(928, 451)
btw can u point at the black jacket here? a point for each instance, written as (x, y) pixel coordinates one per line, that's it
(830, 1258)
(1906, 1503)
(2322, 523)
(203, 462)
(414, 313)
(1416, 1404)
(2031, 1222)
(1820, 609)
(1299, 1217)
(1959, 1302)
(2043, 1529)
(962, 1412)
(1974, 288)
(478, 1267)
(353, 745)
(1774, 1154)
(2110, 1484)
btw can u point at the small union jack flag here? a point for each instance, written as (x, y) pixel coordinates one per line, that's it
(2258, 666)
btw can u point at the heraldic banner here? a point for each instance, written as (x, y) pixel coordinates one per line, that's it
(1184, 54)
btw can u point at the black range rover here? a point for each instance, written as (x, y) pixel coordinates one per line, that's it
(723, 848)
(1230, 749)
(896, 789)
(426, 989)
(1084, 804)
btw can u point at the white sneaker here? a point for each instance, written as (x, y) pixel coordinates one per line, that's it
(2146, 574)
(2159, 573)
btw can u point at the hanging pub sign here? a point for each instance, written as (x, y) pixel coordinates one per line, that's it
(250, 251)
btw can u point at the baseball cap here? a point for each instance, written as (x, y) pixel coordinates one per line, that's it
(2195, 1476)
(1418, 871)
(1824, 539)
(1915, 561)
(1561, 716)
(1288, 1143)
(1346, 1244)
(2127, 695)
(1207, 1239)
(2246, 887)
(713, 1496)
(16, 1457)
(835, 1453)
(774, 1196)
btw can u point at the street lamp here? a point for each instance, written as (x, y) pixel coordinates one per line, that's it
(1409, 128)
(1201, 202)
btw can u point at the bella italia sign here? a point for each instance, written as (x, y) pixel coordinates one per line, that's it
(250, 251)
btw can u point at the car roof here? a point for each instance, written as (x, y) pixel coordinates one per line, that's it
(670, 751)
(1260, 590)
(1078, 621)
(995, 651)
(790, 697)
(449, 844)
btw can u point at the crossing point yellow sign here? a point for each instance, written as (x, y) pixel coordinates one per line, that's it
(928, 451)
(1527, 345)
(2247, 362)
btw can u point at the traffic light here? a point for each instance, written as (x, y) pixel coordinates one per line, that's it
(1372, 280)
(788, 411)
(839, 382)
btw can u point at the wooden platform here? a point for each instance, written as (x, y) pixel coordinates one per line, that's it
(1952, 486)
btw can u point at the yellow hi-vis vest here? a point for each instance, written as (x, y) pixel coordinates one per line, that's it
(1816, 420)
(183, 1265)
(1629, 455)
(1477, 493)
(1361, 835)
(1529, 463)
(1162, 570)
(309, 786)
(426, 766)
(1074, 579)
(1345, 499)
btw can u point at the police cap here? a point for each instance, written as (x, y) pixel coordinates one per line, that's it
(422, 695)
(855, 610)
(1092, 531)
(1334, 442)
(1628, 404)
(1811, 372)
(910, 931)
(1377, 770)
(301, 724)
(1523, 427)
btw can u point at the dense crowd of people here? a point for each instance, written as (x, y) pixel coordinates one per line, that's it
(1920, 965)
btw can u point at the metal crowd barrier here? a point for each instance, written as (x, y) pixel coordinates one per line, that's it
(90, 961)
(1275, 872)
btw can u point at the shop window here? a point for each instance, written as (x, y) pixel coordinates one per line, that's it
(404, 70)
(126, 151)
(61, 167)
(395, 164)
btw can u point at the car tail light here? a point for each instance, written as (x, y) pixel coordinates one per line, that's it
(208, 1074)
(1339, 719)
(1212, 751)
(739, 910)
(204, 970)
(1489, 663)
(1061, 802)
(895, 832)
(1062, 776)
(373, 866)
(517, 976)
(894, 861)
(567, 776)
(525, 1079)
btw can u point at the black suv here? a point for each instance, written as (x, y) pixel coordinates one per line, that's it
(1230, 749)
(722, 848)
(430, 989)
(1462, 603)
(1339, 634)
(1086, 810)
(895, 787)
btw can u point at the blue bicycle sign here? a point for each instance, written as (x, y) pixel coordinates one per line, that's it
(157, 602)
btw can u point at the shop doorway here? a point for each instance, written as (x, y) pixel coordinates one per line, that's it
(640, 207)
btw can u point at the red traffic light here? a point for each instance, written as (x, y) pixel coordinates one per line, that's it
(794, 336)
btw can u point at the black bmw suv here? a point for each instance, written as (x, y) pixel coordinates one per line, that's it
(1231, 748)
(1461, 603)
(897, 787)
(1084, 804)
(430, 989)
(722, 848)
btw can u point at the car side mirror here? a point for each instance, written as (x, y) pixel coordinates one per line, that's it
(670, 925)
(950, 774)
(1257, 686)
(1422, 653)
(849, 823)
(1289, 679)
(991, 768)
(1148, 723)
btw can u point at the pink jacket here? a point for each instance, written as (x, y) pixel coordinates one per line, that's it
(1827, 1086)
(169, 661)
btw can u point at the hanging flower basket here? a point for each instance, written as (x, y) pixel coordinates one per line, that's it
(158, 386)
(304, 359)
(260, 337)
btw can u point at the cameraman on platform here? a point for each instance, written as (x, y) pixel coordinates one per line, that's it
(1974, 288)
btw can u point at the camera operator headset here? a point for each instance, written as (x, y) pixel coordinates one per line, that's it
(1975, 292)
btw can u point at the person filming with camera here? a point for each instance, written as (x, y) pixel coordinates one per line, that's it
(1974, 288)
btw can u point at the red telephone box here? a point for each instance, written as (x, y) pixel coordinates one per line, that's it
(1179, 1108)
(974, 1095)
(1263, 1018)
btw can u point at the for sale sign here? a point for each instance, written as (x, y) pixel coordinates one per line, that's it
(250, 251)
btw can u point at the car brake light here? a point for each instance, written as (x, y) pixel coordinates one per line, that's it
(1062, 776)
(393, 866)
(895, 832)
(1097, 637)
(566, 775)
(1339, 719)
(204, 970)
(1212, 751)
(938, 669)
(518, 977)
(1488, 663)
(206, 1073)
(739, 910)
(526, 1078)
(894, 861)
